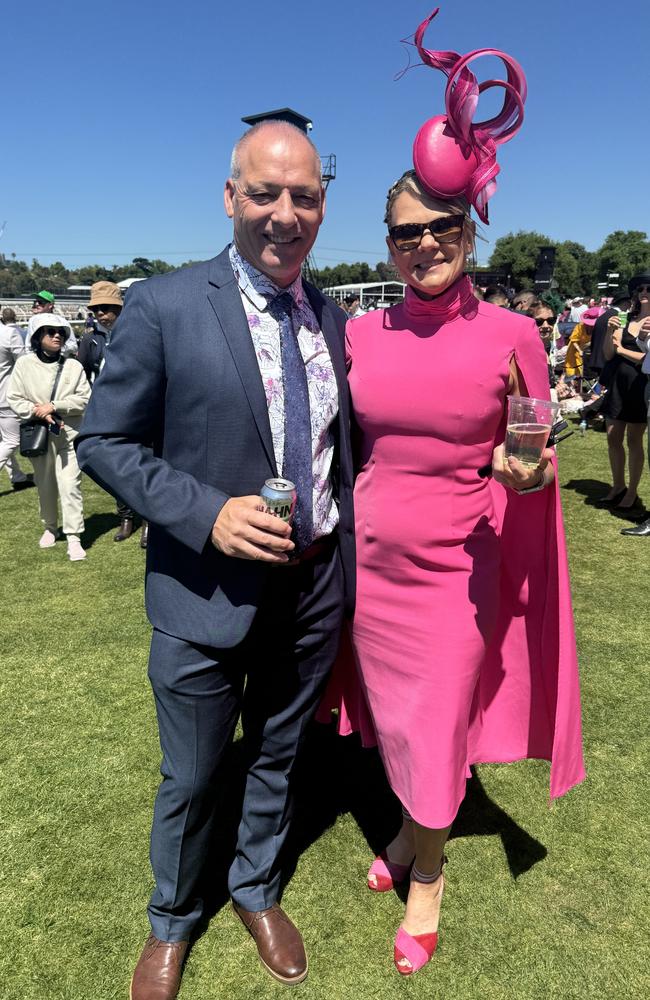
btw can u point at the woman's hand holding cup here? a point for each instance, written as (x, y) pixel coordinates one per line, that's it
(511, 473)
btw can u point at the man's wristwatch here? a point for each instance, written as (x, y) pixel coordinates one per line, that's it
(534, 489)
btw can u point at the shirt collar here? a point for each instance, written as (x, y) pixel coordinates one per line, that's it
(257, 287)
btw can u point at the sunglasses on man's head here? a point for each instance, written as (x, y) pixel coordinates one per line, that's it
(547, 320)
(408, 236)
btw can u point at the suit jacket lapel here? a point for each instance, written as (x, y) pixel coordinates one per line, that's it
(225, 299)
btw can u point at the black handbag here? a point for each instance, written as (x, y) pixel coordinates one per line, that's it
(33, 433)
(33, 438)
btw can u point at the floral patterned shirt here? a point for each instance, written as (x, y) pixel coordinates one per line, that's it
(256, 290)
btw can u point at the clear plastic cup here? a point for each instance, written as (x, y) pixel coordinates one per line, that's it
(528, 428)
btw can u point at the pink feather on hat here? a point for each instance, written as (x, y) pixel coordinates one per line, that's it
(452, 155)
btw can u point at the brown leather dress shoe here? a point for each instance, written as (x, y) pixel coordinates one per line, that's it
(125, 530)
(278, 941)
(158, 973)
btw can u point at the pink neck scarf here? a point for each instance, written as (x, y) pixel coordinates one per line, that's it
(458, 298)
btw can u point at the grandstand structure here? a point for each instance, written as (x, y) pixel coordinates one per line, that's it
(74, 310)
(72, 304)
(372, 294)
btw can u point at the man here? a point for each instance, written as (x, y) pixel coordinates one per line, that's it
(524, 301)
(44, 303)
(351, 304)
(235, 384)
(105, 305)
(8, 316)
(620, 302)
(11, 348)
(497, 295)
(578, 306)
(639, 287)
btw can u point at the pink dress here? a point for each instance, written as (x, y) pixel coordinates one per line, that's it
(463, 633)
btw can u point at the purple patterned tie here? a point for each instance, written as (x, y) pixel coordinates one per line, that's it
(297, 459)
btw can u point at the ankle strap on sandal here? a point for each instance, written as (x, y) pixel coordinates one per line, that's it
(425, 878)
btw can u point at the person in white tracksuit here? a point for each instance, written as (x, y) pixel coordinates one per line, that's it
(56, 473)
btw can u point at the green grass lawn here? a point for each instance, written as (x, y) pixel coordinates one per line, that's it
(540, 902)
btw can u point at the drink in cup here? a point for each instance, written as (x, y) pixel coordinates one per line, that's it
(528, 428)
(622, 318)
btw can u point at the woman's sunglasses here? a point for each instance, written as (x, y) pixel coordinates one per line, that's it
(448, 229)
(546, 321)
(52, 331)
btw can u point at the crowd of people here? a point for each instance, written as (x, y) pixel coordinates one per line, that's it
(46, 378)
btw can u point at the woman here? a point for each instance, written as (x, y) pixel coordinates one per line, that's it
(625, 408)
(545, 320)
(29, 393)
(453, 569)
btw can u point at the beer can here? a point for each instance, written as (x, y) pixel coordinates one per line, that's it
(279, 498)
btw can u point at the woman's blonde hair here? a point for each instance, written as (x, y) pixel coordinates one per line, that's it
(409, 181)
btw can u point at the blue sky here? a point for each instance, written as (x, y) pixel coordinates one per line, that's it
(119, 119)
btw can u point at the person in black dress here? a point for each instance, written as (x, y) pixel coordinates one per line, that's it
(621, 301)
(624, 407)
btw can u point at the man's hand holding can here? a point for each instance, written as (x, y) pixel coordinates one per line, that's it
(244, 531)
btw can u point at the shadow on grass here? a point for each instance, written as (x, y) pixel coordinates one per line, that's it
(333, 776)
(591, 489)
(11, 492)
(594, 490)
(98, 525)
(336, 775)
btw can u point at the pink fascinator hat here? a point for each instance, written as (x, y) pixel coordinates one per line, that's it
(452, 154)
(590, 316)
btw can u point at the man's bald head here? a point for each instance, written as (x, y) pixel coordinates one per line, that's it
(275, 198)
(267, 131)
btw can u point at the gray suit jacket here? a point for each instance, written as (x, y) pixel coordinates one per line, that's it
(182, 373)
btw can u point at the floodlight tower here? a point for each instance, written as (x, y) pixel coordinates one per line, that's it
(328, 162)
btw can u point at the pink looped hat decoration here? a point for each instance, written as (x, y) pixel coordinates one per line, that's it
(452, 155)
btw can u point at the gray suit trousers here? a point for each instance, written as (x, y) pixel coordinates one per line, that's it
(274, 678)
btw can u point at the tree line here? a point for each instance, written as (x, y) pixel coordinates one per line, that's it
(578, 271)
(19, 278)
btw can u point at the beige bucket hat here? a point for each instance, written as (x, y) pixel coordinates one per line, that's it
(105, 293)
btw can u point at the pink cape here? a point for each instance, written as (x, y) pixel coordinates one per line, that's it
(527, 700)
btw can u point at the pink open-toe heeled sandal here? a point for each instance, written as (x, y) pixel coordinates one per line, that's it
(417, 949)
(387, 873)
